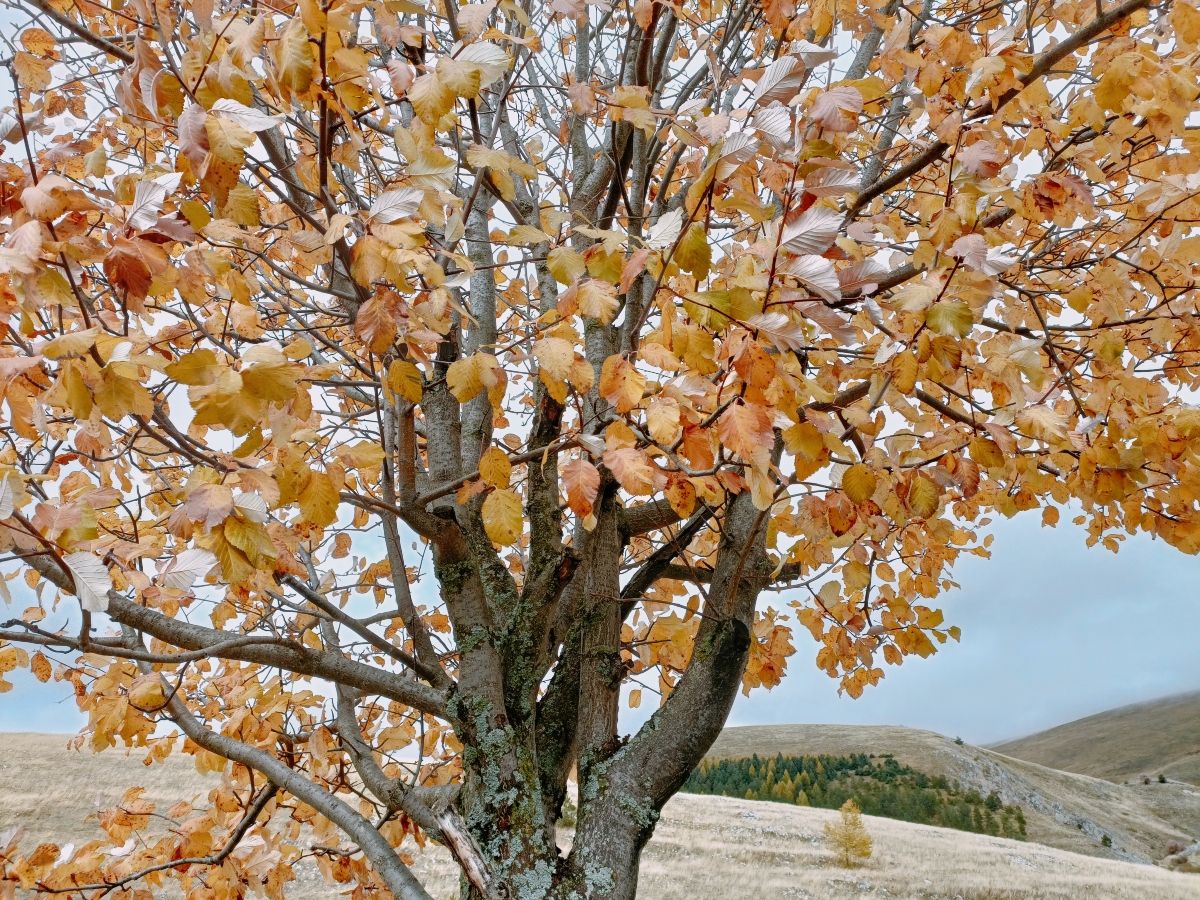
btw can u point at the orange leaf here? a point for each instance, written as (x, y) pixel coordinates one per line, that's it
(581, 480)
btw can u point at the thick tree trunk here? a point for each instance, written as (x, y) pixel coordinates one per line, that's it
(623, 785)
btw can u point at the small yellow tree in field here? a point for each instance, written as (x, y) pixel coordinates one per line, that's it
(849, 838)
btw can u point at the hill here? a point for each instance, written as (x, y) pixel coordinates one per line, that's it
(704, 848)
(1158, 737)
(1064, 810)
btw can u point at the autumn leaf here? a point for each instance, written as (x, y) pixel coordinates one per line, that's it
(581, 480)
(632, 468)
(746, 429)
(210, 504)
(294, 57)
(40, 666)
(91, 579)
(923, 497)
(494, 468)
(467, 377)
(132, 263)
(621, 384)
(951, 317)
(859, 483)
(565, 264)
(404, 380)
(376, 321)
(503, 519)
(597, 300)
(197, 368)
(319, 500)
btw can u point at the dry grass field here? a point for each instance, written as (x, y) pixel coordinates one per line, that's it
(704, 848)
(1162, 736)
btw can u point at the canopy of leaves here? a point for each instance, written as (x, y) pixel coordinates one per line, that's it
(394, 384)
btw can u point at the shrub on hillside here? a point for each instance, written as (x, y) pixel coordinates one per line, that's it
(848, 839)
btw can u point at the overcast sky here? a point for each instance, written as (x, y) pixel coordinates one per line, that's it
(1052, 631)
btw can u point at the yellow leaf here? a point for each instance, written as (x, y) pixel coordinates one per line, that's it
(295, 58)
(662, 420)
(319, 500)
(270, 382)
(804, 440)
(235, 567)
(467, 377)
(147, 694)
(1042, 422)
(694, 254)
(119, 397)
(950, 317)
(621, 384)
(597, 300)
(502, 517)
(462, 78)
(494, 467)
(197, 368)
(526, 234)
(856, 575)
(34, 73)
(241, 206)
(196, 213)
(314, 17)
(430, 98)
(986, 452)
(38, 42)
(404, 380)
(923, 497)
(228, 140)
(252, 539)
(928, 618)
(555, 356)
(681, 494)
(565, 264)
(76, 343)
(859, 483)
(904, 371)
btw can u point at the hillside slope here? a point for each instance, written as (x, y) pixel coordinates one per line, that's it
(1072, 812)
(704, 848)
(1161, 736)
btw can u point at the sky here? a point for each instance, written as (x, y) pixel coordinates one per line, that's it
(1052, 631)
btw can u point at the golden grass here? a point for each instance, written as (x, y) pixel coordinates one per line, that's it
(1161, 736)
(705, 848)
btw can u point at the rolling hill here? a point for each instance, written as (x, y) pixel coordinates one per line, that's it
(704, 848)
(1158, 737)
(1064, 810)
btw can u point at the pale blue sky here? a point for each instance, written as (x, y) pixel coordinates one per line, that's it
(1052, 631)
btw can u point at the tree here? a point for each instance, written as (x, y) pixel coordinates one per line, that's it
(393, 383)
(848, 838)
